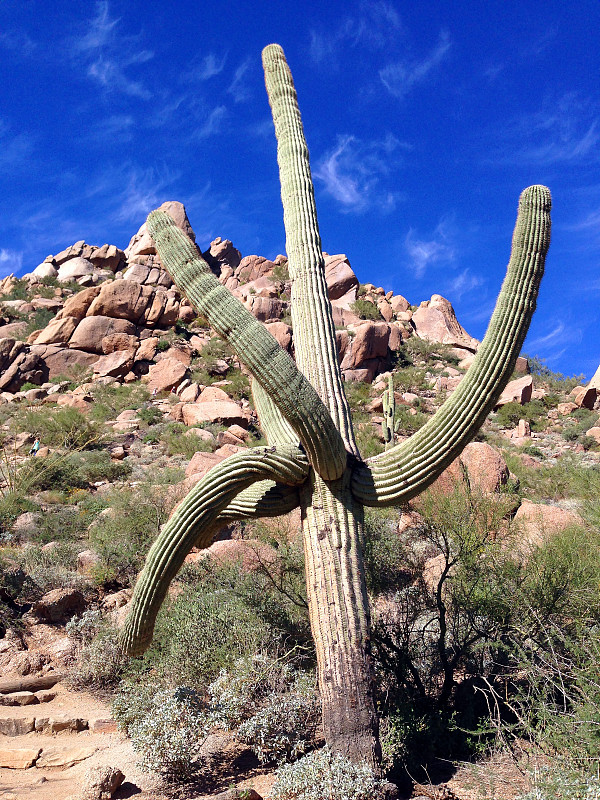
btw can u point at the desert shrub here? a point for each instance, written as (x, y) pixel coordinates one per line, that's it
(177, 441)
(365, 309)
(123, 534)
(324, 775)
(410, 379)
(20, 291)
(150, 415)
(533, 412)
(567, 478)
(98, 661)
(201, 632)
(109, 401)
(52, 568)
(238, 387)
(285, 728)
(71, 470)
(407, 423)
(163, 345)
(556, 381)
(565, 783)
(281, 272)
(168, 737)
(38, 320)
(12, 504)
(62, 427)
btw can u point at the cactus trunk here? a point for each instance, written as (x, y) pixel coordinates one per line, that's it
(332, 531)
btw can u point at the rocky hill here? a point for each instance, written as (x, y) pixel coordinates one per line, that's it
(131, 400)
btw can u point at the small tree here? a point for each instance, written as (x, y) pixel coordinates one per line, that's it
(312, 460)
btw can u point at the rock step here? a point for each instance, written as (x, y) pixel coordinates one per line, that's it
(20, 726)
(43, 757)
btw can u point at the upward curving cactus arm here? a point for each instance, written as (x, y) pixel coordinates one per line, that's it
(312, 319)
(193, 523)
(399, 474)
(270, 365)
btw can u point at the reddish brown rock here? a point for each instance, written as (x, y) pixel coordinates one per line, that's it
(435, 321)
(522, 366)
(107, 257)
(122, 300)
(518, 391)
(253, 267)
(166, 374)
(18, 757)
(213, 393)
(58, 605)
(223, 412)
(282, 332)
(342, 283)
(119, 341)
(539, 522)
(141, 244)
(114, 365)
(385, 310)
(564, 409)
(264, 308)
(58, 331)
(221, 255)
(399, 303)
(595, 382)
(77, 305)
(371, 341)
(147, 349)
(586, 397)
(486, 469)
(73, 269)
(90, 332)
(594, 433)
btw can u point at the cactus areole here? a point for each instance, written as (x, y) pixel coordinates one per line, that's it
(312, 460)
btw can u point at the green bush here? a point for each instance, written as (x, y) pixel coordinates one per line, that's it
(176, 440)
(109, 401)
(71, 470)
(167, 738)
(365, 309)
(150, 415)
(99, 661)
(324, 775)
(122, 535)
(59, 427)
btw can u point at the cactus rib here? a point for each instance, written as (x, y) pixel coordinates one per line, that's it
(272, 367)
(193, 523)
(312, 319)
(402, 472)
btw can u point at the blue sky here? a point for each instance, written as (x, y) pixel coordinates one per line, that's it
(424, 123)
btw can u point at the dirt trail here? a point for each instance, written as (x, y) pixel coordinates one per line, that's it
(66, 755)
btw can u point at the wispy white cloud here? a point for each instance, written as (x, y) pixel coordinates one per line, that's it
(212, 124)
(425, 253)
(400, 77)
(210, 66)
(238, 88)
(10, 261)
(18, 42)
(374, 26)
(352, 171)
(554, 344)
(566, 129)
(109, 54)
(464, 283)
(15, 150)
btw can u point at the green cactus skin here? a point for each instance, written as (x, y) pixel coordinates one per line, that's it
(389, 412)
(330, 485)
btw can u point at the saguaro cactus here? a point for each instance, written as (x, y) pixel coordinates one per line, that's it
(389, 413)
(312, 460)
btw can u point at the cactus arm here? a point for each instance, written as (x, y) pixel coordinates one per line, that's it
(399, 474)
(312, 320)
(389, 411)
(273, 424)
(262, 499)
(193, 523)
(272, 367)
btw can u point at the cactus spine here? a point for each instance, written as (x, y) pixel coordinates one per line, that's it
(312, 460)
